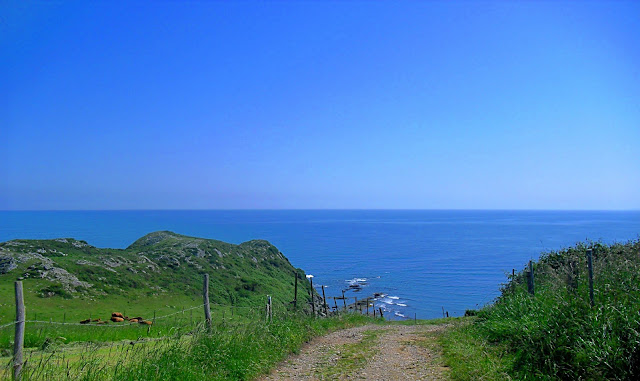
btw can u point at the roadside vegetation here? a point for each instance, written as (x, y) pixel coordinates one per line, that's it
(232, 350)
(556, 333)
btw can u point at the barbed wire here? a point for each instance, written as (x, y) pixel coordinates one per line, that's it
(8, 325)
(89, 324)
(179, 312)
(232, 307)
(84, 325)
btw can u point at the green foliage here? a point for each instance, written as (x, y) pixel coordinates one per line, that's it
(470, 356)
(69, 280)
(55, 290)
(232, 350)
(556, 334)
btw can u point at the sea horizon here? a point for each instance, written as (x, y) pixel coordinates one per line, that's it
(421, 260)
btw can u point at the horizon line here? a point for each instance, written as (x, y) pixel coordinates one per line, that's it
(323, 209)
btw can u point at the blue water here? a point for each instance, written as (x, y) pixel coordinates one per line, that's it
(422, 260)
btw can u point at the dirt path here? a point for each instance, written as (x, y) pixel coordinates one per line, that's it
(372, 352)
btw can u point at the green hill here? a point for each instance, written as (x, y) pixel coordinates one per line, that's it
(160, 272)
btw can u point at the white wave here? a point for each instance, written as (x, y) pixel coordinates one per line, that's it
(399, 314)
(401, 304)
(394, 297)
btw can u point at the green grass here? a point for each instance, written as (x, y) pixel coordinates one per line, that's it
(470, 356)
(37, 333)
(158, 270)
(161, 273)
(557, 334)
(233, 350)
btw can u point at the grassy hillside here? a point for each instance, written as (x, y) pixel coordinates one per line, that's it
(160, 273)
(556, 333)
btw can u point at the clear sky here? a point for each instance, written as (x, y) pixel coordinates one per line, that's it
(233, 105)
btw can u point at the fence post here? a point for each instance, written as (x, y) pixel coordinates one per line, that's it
(295, 292)
(270, 310)
(324, 299)
(530, 279)
(205, 296)
(266, 310)
(19, 333)
(367, 306)
(313, 304)
(381, 315)
(590, 264)
(344, 300)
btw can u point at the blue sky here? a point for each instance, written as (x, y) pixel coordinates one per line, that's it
(216, 105)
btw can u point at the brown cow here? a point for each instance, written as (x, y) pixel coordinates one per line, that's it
(147, 322)
(117, 314)
(134, 320)
(116, 319)
(87, 321)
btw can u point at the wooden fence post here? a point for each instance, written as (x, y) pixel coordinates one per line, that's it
(324, 299)
(295, 291)
(367, 306)
(381, 315)
(267, 309)
(313, 304)
(344, 300)
(19, 334)
(205, 296)
(590, 264)
(530, 279)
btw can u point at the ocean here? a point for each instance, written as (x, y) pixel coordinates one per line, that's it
(420, 261)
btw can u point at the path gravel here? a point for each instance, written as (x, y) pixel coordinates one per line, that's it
(371, 352)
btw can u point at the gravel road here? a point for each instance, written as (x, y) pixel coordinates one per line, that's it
(371, 352)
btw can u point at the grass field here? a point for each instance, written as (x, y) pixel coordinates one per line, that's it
(238, 348)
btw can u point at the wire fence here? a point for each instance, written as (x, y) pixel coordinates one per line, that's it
(255, 309)
(100, 325)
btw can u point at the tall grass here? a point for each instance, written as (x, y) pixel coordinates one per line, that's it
(232, 350)
(557, 334)
(38, 335)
